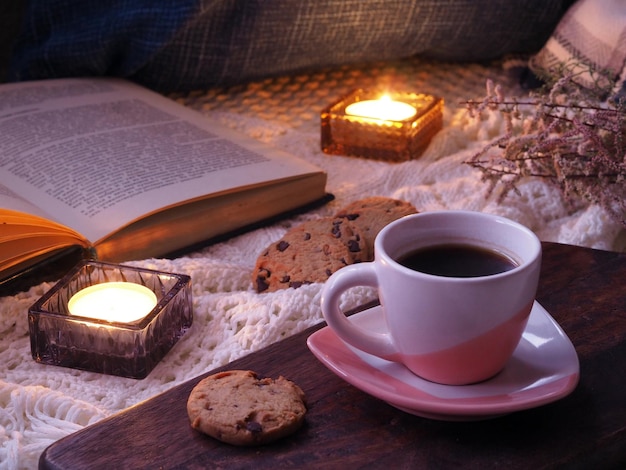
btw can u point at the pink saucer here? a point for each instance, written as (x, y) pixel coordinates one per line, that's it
(544, 368)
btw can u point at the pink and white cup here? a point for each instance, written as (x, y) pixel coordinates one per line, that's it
(458, 315)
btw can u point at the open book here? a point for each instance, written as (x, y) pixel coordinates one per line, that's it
(124, 173)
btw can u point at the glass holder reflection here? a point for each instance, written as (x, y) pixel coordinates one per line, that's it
(122, 349)
(396, 141)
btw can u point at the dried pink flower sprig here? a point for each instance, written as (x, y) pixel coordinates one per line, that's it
(565, 136)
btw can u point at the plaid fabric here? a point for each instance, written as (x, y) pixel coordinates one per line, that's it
(185, 44)
(590, 43)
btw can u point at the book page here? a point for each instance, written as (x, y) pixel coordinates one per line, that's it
(97, 154)
(10, 200)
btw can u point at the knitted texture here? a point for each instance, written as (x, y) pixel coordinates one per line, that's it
(40, 404)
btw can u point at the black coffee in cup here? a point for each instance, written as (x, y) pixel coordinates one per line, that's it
(457, 260)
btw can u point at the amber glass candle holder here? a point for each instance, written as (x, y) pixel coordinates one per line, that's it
(381, 138)
(128, 349)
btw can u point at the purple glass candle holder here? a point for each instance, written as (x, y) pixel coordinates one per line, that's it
(127, 349)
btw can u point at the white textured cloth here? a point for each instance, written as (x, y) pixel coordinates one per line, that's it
(40, 404)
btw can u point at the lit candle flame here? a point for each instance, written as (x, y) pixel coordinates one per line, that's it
(384, 109)
(123, 302)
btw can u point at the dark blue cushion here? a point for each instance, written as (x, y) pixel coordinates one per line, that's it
(185, 44)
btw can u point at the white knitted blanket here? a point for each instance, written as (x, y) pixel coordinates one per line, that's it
(40, 404)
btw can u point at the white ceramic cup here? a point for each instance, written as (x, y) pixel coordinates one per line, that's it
(449, 330)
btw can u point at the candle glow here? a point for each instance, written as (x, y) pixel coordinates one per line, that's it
(123, 302)
(395, 127)
(384, 109)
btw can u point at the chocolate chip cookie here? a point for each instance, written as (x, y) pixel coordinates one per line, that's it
(309, 253)
(239, 408)
(371, 214)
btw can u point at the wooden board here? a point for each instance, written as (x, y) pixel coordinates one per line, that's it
(583, 290)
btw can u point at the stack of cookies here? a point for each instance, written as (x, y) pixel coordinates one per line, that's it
(314, 250)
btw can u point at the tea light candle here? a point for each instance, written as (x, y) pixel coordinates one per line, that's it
(395, 127)
(110, 318)
(384, 109)
(122, 302)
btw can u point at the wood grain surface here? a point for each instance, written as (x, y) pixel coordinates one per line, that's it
(582, 289)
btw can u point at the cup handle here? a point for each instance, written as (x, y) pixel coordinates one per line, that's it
(363, 274)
